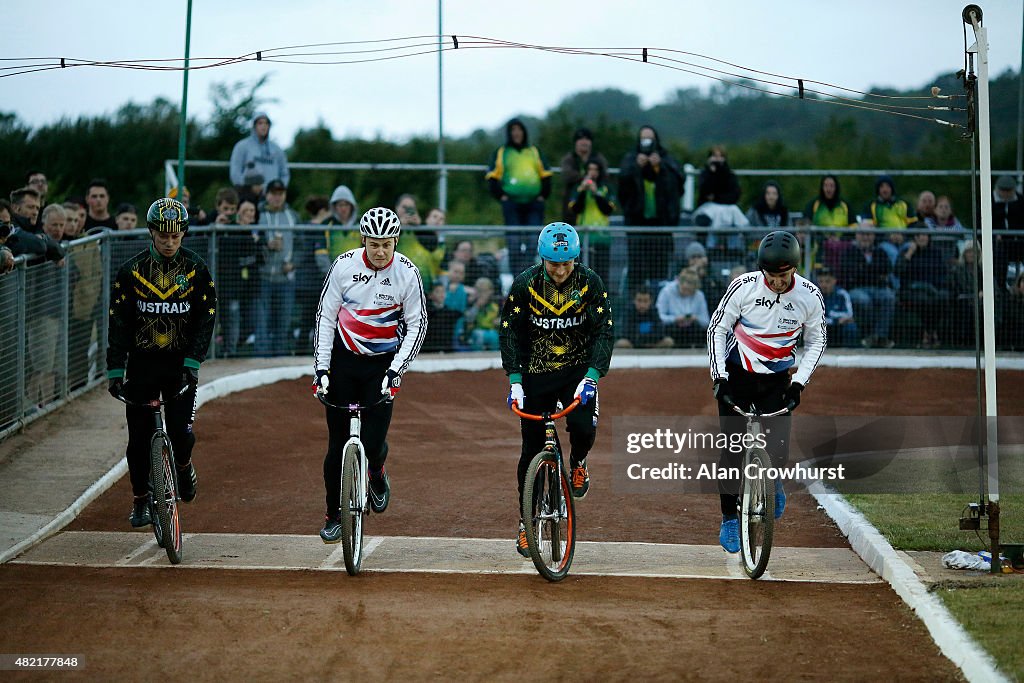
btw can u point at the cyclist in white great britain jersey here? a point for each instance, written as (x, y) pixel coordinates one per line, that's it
(370, 325)
(752, 342)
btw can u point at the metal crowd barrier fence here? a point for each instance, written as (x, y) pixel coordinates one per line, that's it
(55, 335)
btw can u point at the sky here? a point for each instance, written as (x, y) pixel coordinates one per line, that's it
(858, 44)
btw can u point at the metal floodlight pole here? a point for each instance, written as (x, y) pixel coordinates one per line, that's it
(1020, 111)
(183, 128)
(442, 178)
(972, 15)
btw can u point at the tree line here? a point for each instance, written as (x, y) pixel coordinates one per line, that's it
(761, 131)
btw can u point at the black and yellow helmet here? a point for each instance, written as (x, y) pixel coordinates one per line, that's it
(167, 215)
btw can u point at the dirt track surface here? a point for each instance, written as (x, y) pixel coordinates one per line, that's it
(277, 626)
(454, 448)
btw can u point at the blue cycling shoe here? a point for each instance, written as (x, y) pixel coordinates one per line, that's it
(780, 499)
(729, 534)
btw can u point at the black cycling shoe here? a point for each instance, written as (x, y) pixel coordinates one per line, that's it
(380, 491)
(142, 514)
(331, 533)
(187, 481)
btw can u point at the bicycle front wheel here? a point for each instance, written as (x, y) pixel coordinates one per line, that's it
(353, 506)
(167, 523)
(757, 515)
(550, 517)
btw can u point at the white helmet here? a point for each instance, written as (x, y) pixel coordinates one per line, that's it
(380, 222)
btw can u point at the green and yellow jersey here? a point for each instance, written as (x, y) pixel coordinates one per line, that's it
(547, 327)
(161, 305)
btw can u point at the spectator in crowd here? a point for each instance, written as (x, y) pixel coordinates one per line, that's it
(696, 259)
(6, 255)
(478, 327)
(410, 244)
(440, 321)
(591, 203)
(1013, 316)
(25, 207)
(310, 273)
(769, 211)
(866, 270)
(318, 209)
(251, 188)
(196, 214)
(828, 209)
(683, 309)
(1007, 214)
(54, 220)
(97, 197)
(477, 266)
(925, 208)
(965, 295)
(251, 263)
(436, 217)
(717, 182)
(126, 217)
(942, 221)
(37, 181)
(409, 213)
(37, 246)
(923, 286)
(75, 213)
(343, 225)
(889, 212)
(42, 313)
(276, 301)
(519, 178)
(726, 247)
(574, 169)
(86, 293)
(454, 282)
(842, 329)
(258, 153)
(641, 328)
(236, 263)
(650, 186)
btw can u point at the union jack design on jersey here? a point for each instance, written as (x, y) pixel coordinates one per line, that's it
(369, 330)
(758, 329)
(370, 311)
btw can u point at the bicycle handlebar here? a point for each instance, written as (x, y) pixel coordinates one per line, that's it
(784, 411)
(152, 403)
(350, 407)
(561, 413)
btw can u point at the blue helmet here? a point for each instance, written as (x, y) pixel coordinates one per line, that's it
(558, 243)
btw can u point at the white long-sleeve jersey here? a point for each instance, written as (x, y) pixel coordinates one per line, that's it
(758, 329)
(372, 311)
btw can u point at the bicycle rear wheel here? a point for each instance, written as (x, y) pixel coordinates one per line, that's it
(550, 517)
(353, 506)
(167, 523)
(757, 515)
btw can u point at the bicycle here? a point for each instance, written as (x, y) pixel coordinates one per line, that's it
(756, 506)
(163, 479)
(355, 486)
(548, 511)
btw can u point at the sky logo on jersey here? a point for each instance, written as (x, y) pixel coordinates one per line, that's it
(765, 302)
(360, 277)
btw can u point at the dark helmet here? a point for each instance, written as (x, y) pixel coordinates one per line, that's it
(779, 251)
(167, 215)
